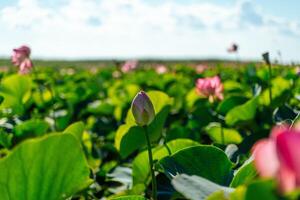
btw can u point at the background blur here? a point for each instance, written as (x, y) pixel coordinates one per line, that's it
(181, 29)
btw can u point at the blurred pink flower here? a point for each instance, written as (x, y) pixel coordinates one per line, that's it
(161, 69)
(279, 157)
(21, 58)
(201, 68)
(297, 70)
(233, 48)
(210, 87)
(129, 66)
(116, 74)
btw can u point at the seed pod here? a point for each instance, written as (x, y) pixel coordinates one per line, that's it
(142, 109)
(266, 58)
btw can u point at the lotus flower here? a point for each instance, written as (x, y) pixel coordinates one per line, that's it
(129, 66)
(21, 58)
(142, 109)
(279, 157)
(233, 48)
(161, 69)
(210, 87)
(297, 70)
(201, 68)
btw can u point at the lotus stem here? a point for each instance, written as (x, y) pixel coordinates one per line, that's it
(154, 185)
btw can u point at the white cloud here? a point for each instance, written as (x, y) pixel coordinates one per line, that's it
(133, 28)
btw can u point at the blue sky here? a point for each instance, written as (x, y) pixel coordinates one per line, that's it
(82, 29)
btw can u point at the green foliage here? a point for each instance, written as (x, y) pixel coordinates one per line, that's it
(60, 120)
(195, 187)
(5, 139)
(31, 128)
(140, 166)
(131, 197)
(230, 102)
(15, 90)
(206, 161)
(261, 190)
(242, 113)
(130, 137)
(76, 129)
(280, 89)
(52, 168)
(244, 174)
(231, 136)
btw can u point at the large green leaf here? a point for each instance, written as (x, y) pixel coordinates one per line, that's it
(242, 113)
(130, 137)
(48, 168)
(280, 92)
(215, 132)
(233, 86)
(191, 97)
(76, 129)
(197, 188)
(15, 90)
(244, 174)
(140, 168)
(261, 189)
(229, 103)
(206, 161)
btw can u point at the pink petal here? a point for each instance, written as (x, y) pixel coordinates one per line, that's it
(265, 158)
(288, 148)
(287, 179)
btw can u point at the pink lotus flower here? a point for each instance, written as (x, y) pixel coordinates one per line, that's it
(129, 66)
(279, 157)
(210, 87)
(161, 69)
(233, 48)
(297, 70)
(20, 58)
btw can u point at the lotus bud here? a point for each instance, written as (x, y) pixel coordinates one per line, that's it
(266, 58)
(142, 109)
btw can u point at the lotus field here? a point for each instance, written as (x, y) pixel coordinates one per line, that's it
(143, 130)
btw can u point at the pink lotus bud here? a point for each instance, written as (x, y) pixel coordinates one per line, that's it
(210, 87)
(279, 157)
(20, 58)
(129, 65)
(142, 109)
(233, 48)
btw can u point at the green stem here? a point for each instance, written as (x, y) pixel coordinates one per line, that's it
(167, 147)
(53, 102)
(270, 82)
(294, 120)
(222, 134)
(154, 187)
